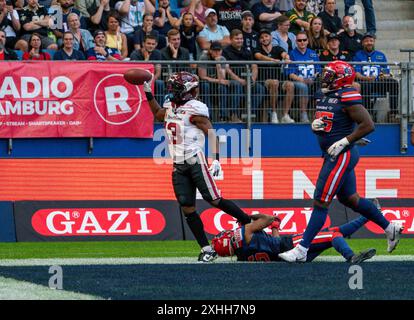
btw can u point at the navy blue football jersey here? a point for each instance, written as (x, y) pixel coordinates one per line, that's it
(262, 247)
(331, 107)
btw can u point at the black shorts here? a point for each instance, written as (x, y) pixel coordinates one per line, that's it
(191, 175)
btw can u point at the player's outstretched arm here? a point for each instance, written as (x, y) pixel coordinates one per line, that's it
(259, 222)
(159, 113)
(365, 124)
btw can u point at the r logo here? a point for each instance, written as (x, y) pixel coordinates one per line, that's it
(356, 280)
(116, 101)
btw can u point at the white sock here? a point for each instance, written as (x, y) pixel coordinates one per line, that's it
(390, 228)
(207, 248)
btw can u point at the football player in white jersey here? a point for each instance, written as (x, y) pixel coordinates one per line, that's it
(187, 123)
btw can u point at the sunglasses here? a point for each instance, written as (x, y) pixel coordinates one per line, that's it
(301, 40)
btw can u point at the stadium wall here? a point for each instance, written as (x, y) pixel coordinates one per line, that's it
(284, 167)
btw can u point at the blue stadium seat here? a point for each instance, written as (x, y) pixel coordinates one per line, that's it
(51, 52)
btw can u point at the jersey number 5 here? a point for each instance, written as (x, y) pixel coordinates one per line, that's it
(327, 118)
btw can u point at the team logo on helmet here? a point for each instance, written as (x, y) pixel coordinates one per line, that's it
(181, 85)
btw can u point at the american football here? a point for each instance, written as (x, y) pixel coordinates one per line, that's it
(137, 76)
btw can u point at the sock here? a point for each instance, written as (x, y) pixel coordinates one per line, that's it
(232, 209)
(197, 228)
(342, 247)
(315, 225)
(349, 228)
(371, 212)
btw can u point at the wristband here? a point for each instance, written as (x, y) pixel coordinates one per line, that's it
(149, 96)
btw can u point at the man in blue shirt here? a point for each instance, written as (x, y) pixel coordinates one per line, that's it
(303, 75)
(375, 79)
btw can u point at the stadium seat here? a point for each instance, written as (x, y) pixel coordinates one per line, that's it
(19, 54)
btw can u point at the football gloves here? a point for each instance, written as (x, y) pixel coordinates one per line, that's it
(275, 224)
(337, 147)
(318, 125)
(147, 85)
(215, 168)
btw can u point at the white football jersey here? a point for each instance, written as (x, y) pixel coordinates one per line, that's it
(185, 139)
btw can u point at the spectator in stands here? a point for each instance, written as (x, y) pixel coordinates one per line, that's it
(95, 12)
(316, 36)
(114, 37)
(35, 51)
(213, 81)
(272, 77)
(369, 14)
(149, 52)
(197, 9)
(266, 13)
(229, 13)
(18, 5)
(350, 39)
(331, 22)
(6, 54)
(236, 52)
(303, 75)
(83, 39)
(299, 17)
(35, 19)
(250, 36)
(282, 37)
(67, 7)
(189, 29)
(165, 18)
(100, 52)
(375, 79)
(333, 52)
(131, 15)
(212, 32)
(9, 22)
(147, 29)
(285, 6)
(174, 51)
(67, 52)
(315, 6)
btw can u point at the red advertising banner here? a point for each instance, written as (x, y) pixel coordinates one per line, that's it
(71, 99)
(145, 179)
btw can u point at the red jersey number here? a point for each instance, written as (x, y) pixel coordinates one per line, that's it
(260, 256)
(175, 132)
(327, 118)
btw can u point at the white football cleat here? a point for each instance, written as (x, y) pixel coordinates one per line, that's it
(393, 232)
(297, 254)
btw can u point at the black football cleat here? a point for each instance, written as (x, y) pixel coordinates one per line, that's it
(362, 256)
(207, 256)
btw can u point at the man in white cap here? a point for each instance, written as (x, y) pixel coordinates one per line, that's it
(212, 32)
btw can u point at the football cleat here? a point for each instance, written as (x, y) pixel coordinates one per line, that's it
(207, 256)
(393, 233)
(297, 254)
(362, 256)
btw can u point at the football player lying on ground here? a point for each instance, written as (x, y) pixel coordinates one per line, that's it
(251, 243)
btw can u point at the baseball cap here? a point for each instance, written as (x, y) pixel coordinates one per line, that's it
(215, 45)
(247, 13)
(208, 11)
(332, 36)
(264, 31)
(368, 35)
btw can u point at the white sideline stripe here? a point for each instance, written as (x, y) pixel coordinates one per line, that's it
(11, 289)
(163, 260)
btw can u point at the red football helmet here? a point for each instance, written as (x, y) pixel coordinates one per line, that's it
(222, 243)
(181, 87)
(338, 74)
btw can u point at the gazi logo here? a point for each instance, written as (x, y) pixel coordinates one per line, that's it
(116, 101)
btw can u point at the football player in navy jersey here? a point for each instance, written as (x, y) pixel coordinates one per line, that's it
(338, 109)
(251, 243)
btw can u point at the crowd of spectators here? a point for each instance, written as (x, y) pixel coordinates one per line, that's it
(206, 30)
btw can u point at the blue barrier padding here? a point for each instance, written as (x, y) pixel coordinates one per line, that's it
(7, 226)
(293, 140)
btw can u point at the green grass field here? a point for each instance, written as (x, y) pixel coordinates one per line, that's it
(131, 249)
